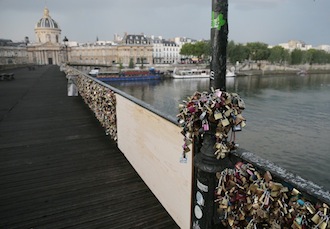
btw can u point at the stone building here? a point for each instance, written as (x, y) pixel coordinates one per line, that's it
(13, 53)
(48, 48)
(131, 48)
(295, 44)
(93, 54)
(137, 48)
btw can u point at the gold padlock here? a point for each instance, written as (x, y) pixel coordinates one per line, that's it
(217, 115)
(295, 192)
(323, 225)
(316, 218)
(231, 221)
(225, 122)
(310, 207)
(296, 225)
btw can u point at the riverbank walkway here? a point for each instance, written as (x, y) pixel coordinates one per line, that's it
(58, 169)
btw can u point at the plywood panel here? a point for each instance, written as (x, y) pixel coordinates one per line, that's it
(153, 146)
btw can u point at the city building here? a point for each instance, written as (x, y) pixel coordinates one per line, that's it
(99, 53)
(294, 44)
(136, 48)
(132, 48)
(48, 48)
(13, 53)
(324, 48)
(165, 52)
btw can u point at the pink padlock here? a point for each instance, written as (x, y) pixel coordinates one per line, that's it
(205, 125)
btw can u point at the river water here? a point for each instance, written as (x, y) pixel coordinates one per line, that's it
(288, 116)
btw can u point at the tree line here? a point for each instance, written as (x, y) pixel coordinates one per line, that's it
(257, 51)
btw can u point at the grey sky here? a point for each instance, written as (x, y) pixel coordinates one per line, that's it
(268, 21)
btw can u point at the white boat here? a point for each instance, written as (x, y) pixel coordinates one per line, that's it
(302, 72)
(197, 73)
(230, 73)
(191, 73)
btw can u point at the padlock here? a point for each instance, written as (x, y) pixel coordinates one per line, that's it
(225, 122)
(316, 218)
(241, 104)
(237, 128)
(217, 115)
(228, 112)
(267, 176)
(205, 125)
(202, 116)
(323, 225)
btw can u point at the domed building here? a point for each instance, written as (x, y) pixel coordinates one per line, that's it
(47, 29)
(48, 48)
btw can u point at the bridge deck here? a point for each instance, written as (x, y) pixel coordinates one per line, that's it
(58, 169)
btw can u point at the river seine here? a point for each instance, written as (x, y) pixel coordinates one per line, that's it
(288, 116)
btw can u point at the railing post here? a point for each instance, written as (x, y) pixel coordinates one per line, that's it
(206, 166)
(206, 163)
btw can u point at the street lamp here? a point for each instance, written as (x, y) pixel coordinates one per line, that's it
(65, 41)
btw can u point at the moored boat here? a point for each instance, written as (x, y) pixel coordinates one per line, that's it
(230, 74)
(129, 75)
(302, 72)
(191, 73)
(197, 73)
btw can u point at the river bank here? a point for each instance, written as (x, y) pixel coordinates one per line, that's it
(271, 69)
(246, 69)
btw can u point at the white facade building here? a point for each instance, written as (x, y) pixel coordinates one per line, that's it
(324, 47)
(294, 44)
(165, 52)
(168, 51)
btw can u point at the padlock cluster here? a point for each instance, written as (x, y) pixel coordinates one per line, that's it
(246, 198)
(218, 109)
(102, 101)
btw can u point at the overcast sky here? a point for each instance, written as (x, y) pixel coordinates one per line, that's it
(268, 21)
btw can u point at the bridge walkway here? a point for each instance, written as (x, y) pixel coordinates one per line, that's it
(58, 169)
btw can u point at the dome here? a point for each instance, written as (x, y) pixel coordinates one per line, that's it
(47, 21)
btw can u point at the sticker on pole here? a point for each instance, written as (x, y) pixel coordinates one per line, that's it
(217, 21)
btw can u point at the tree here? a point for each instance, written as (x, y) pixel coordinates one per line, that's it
(207, 50)
(186, 49)
(296, 56)
(317, 56)
(131, 63)
(237, 52)
(278, 55)
(258, 51)
(142, 63)
(121, 66)
(200, 49)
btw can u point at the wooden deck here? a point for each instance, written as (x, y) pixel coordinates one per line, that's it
(58, 169)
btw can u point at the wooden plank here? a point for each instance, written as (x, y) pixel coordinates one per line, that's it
(153, 146)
